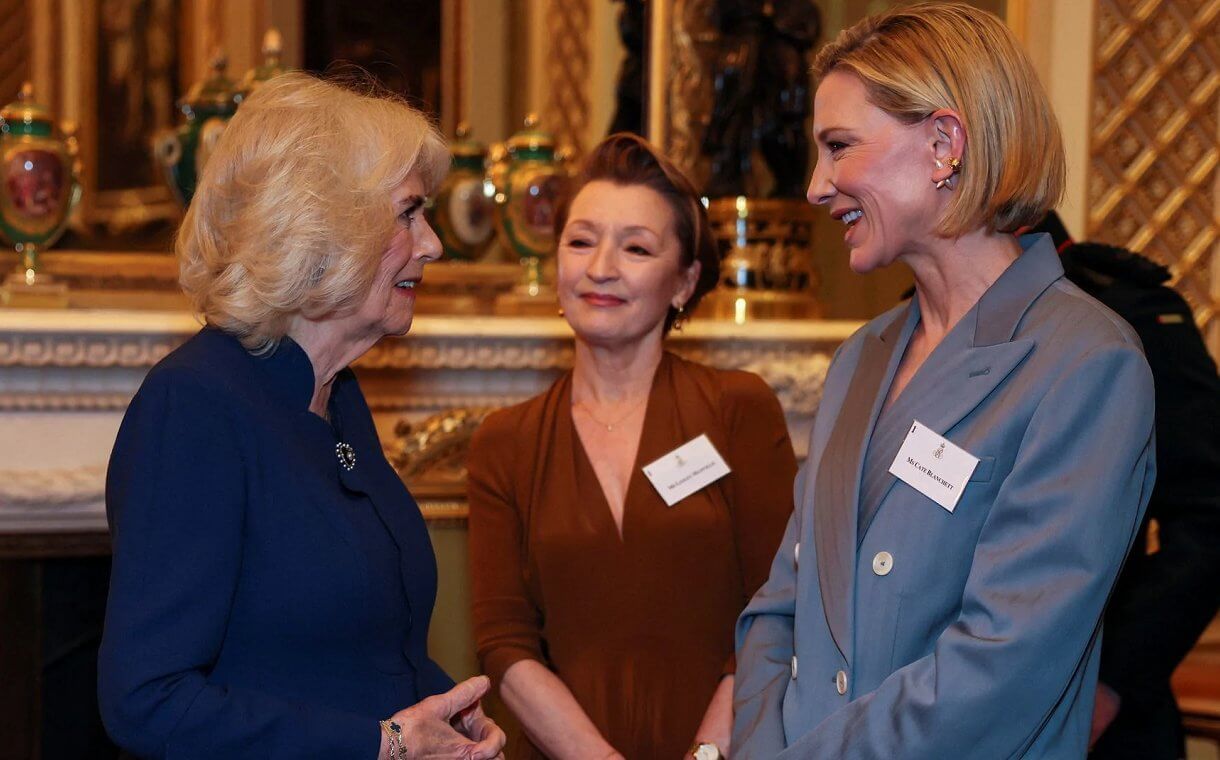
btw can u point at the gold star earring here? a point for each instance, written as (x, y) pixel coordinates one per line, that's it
(955, 165)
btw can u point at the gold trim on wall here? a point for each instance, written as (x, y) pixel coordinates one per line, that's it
(16, 29)
(1154, 147)
(567, 70)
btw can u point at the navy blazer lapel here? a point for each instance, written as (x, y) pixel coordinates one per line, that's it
(838, 476)
(288, 384)
(374, 479)
(950, 386)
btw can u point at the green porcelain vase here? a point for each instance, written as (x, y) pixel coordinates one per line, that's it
(529, 181)
(39, 184)
(462, 211)
(182, 153)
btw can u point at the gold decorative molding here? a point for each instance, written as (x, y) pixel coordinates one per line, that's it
(382, 402)
(106, 352)
(52, 487)
(689, 97)
(567, 68)
(101, 352)
(450, 371)
(1155, 141)
(56, 401)
(15, 30)
(434, 449)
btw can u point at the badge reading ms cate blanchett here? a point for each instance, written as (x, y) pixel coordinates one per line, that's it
(941, 478)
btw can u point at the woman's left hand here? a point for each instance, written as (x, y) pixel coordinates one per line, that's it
(474, 724)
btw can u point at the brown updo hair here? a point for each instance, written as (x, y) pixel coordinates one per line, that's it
(629, 160)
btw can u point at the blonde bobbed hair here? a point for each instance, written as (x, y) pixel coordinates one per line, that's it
(295, 207)
(918, 59)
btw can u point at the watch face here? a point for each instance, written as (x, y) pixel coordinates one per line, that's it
(707, 752)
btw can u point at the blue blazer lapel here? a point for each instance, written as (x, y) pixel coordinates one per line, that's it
(315, 441)
(375, 479)
(838, 476)
(943, 397)
(951, 385)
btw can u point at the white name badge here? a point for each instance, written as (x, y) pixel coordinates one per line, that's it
(686, 469)
(933, 466)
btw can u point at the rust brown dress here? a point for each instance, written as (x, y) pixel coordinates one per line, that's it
(640, 628)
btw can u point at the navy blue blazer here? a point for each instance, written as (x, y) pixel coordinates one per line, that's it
(254, 609)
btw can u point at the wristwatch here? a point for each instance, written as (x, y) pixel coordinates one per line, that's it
(706, 751)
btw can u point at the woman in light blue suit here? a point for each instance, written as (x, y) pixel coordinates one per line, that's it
(983, 453)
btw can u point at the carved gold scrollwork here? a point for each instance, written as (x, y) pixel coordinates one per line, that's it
(690, 89)
(435, 448)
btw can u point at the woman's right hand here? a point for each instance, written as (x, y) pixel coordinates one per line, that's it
(428, 732)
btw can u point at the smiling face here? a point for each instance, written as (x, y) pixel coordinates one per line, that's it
(620, 264)
(390, 305)
(874, 174)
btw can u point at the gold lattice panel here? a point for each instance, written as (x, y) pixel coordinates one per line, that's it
(1155, 141)
(568, 64)
(14, 48)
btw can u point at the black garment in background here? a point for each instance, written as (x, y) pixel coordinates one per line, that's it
(1163, 601)
(73, 607)
(629, 93)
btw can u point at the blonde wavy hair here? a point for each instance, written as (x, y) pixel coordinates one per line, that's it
(917, 59)
(294, 208)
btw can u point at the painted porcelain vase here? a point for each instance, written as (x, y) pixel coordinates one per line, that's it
(529, 181)
(463, 210)
(39, 184)
(181, 153)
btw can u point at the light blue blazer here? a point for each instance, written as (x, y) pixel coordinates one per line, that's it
(892, 628)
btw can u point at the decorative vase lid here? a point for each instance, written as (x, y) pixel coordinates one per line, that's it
(531, 142)
(272, 65)
(24, 116)
(217, 92)
(467, 153)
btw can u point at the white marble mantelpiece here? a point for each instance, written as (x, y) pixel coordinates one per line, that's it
(67, 375)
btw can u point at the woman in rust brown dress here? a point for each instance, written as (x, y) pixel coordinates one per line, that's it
(605, 617)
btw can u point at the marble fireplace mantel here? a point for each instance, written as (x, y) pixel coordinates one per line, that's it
(67, 375)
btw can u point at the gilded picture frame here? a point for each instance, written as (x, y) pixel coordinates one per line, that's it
(112, 71)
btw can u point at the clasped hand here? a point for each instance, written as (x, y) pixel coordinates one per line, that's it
(449, 725)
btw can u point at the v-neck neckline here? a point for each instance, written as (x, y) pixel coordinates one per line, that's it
(903, 344)
(584, 462)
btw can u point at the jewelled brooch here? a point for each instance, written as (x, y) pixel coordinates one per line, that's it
(347, 456)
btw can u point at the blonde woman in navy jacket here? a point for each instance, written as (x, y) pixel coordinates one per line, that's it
(273, 580)
(919, 607)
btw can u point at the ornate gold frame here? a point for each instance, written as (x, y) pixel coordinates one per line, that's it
(64, 53)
